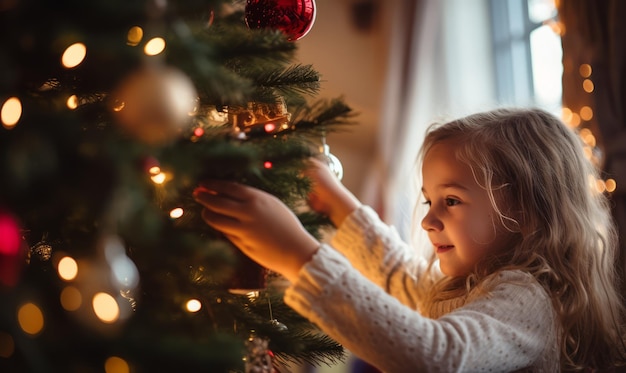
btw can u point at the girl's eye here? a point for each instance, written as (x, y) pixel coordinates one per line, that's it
(452, 202)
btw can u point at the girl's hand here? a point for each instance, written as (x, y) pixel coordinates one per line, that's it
(328, 196)
(259, 224)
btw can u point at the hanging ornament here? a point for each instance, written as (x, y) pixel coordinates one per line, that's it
(107, 284)
(333, 162)
(259, 117)
(155, 104)
(41, 251)
(293, 17)
(258, 356)
(275, 323)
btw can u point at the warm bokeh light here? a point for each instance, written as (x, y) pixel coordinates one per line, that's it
(154, 170)
(74, 55)
(105, 307)
(30, 318)
(585, 70)
(269, 127)
(11, 112)
(588, 85)
(67, 268)
(586, 113)
(588, 137)
(574, 120)
(267, 164)
(7, 345)
(72, 102)
(71, 298)
(116, 364)
(154, 46)
(134, 36)
(600, 186)
(193, 305)
(611, 185)
(566, 114)
(198, 131)
(176, 213)
(158, 178)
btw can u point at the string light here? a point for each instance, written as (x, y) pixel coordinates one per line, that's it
(70, 298)
(134, 36)
(11, 112)
(267, 164)
(67, 268)
(72, 102)
(74, 55)
(30, 318)
(154, 46)
(193, 305)
(176, 213)
(105, 307)
(116, 364)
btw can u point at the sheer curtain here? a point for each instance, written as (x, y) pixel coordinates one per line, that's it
(440, 66)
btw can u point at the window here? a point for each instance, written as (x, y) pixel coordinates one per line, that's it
(527, 52)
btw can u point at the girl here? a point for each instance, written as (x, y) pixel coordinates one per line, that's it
(522, 277)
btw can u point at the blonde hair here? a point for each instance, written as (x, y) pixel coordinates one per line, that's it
(566, 238)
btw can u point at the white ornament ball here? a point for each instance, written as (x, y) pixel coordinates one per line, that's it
(335, 165)
(155, 104)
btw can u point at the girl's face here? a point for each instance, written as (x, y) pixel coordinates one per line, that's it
(461, 222)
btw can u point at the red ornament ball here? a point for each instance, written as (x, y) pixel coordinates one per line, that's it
(293, 17)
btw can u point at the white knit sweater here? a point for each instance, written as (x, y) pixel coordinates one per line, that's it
(359, 292)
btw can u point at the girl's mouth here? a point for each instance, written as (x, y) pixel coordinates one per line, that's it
(444, 248)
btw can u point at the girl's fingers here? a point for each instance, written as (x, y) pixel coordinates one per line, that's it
(218, 203)
(228, 189)
(223, 223)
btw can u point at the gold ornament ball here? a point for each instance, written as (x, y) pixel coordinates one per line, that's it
(155, 104)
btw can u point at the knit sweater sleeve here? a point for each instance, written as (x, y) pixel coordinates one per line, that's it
(509, 328)
(376, 250)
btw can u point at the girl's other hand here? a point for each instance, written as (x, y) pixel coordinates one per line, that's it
(328, 195)
(259, 224)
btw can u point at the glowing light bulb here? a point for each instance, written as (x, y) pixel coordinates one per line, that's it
(11, 112)
(67, 268)
(134, 36)
(71, 299)
(74, 55)
(158, 178)
(72, 102)
(105, 307)
(154, 46)
(30, 318)
(176, 213)
(193, 305)
(586, 113)
(116, 364)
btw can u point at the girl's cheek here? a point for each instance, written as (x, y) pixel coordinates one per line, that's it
(481, 228)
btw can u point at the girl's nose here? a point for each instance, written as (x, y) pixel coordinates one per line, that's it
(431, 222)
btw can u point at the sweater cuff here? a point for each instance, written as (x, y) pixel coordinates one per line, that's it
(358, 226)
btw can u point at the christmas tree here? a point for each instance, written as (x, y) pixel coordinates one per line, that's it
(112, 113)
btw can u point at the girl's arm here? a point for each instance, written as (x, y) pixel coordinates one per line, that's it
(507, 330)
